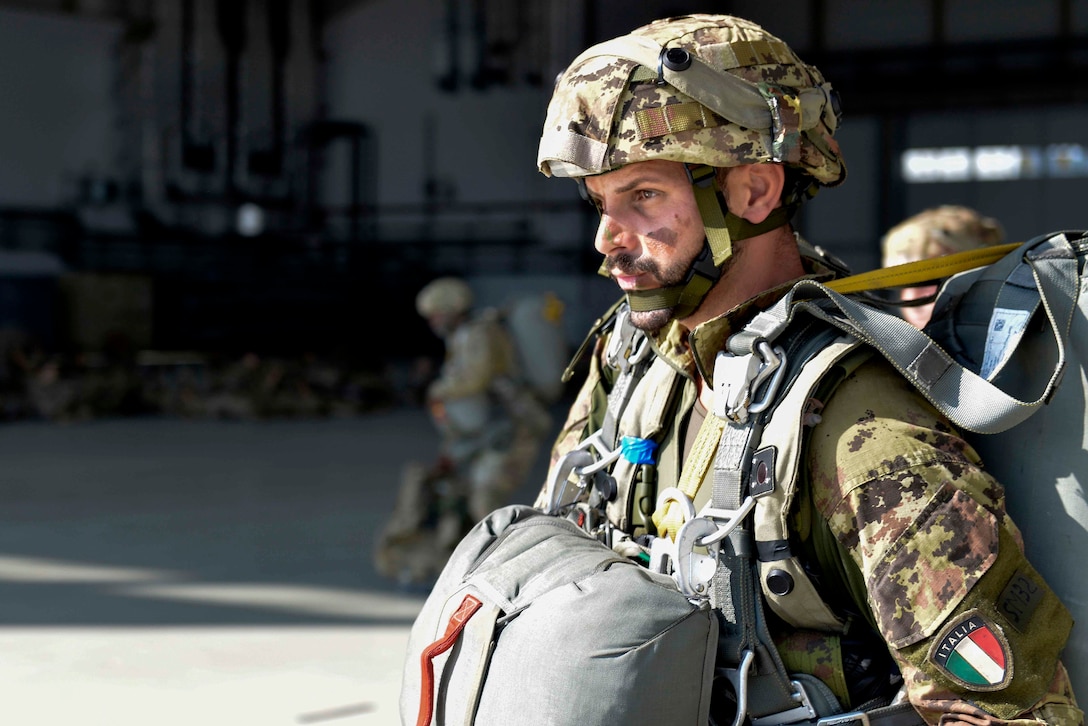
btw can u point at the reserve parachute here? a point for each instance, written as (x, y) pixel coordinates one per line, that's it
(535, 322)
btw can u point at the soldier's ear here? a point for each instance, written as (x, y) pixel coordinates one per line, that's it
(753, 190)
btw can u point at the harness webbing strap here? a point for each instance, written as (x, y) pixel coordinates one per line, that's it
(736, 590)
(921, 271)
(669, 518)
(628, 341)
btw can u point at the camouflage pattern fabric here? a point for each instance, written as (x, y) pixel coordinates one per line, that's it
(927, 529)
(493, 429)
(609, 110)
(923, 531)
(939, 231)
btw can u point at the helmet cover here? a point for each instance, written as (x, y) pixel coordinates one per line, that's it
(700, 89)
(939, 231)
(444, 296)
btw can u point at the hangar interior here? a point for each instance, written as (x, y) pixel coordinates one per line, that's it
(281, 176)
(188, 185)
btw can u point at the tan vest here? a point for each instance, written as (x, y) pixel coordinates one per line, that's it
(653, 408)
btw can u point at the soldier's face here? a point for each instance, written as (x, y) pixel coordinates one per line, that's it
(442, 324)
(650, 228)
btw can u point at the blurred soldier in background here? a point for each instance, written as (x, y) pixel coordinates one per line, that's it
(931, 233)
(492, 426)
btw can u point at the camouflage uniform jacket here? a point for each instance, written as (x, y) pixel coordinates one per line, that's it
(905, 533)
(478, 353)
(481, 389)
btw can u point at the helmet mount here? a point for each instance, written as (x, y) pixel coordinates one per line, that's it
(710, 91)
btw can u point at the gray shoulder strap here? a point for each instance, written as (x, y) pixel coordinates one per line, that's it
(1044, 272)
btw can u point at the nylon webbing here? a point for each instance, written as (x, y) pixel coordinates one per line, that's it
(736, 590)
(629, 373)
(921, 271)
(717, 232)
(670, 517)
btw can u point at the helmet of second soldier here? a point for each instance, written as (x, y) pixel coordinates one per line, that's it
(444, 296)
(700, 89)
(939, 231)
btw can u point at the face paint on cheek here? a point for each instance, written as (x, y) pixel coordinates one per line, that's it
(665, 236)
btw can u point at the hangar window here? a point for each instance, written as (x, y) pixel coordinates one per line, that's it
(993, 163)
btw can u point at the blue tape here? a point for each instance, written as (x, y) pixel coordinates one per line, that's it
(638, 451)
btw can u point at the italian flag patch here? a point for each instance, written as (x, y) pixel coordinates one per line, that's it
(974, 653)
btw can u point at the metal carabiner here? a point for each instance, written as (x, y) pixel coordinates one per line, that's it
(559, 486)
(738, 677)
(694, 571)
(774, 359)
(737, 377)
(730, 518)
(589, 457)
(627, 345)
(662, 549)
(605, 455)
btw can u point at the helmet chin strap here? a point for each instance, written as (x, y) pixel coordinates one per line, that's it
(722, 227)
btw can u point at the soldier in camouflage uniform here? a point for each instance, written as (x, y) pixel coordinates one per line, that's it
(492, 429)
(697, 138)
(931, 233)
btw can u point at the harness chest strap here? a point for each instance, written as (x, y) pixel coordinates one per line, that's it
(643, 417)
(767, 450)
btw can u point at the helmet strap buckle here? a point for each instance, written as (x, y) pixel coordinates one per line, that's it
(700, 175)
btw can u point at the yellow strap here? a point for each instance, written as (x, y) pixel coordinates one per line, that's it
(669, 518)
(922, 271)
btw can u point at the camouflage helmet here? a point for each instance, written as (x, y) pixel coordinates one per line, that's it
(708, 91)
(444, 296)
(701, 89)
(939, 231)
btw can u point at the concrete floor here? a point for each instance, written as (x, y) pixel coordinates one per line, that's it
(161, 571)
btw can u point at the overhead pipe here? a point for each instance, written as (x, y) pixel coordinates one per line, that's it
(269, 162)
(195, 155)
(449, 76)
(231, 23)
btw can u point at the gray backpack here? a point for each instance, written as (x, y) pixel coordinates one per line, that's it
(534, 621)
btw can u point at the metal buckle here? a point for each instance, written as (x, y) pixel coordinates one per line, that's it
(842, 718)
(619, 353)
(693, 571)
(803, 712)
(736, 377)
(583, 462)
(739, 678)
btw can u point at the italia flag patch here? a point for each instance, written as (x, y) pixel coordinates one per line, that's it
(974, 653)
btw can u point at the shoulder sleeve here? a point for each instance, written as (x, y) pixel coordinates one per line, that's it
(583, 417)
(964, 613)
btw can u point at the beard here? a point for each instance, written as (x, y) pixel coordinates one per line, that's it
(651, 321)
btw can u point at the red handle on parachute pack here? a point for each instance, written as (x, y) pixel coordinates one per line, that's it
(458, 620)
